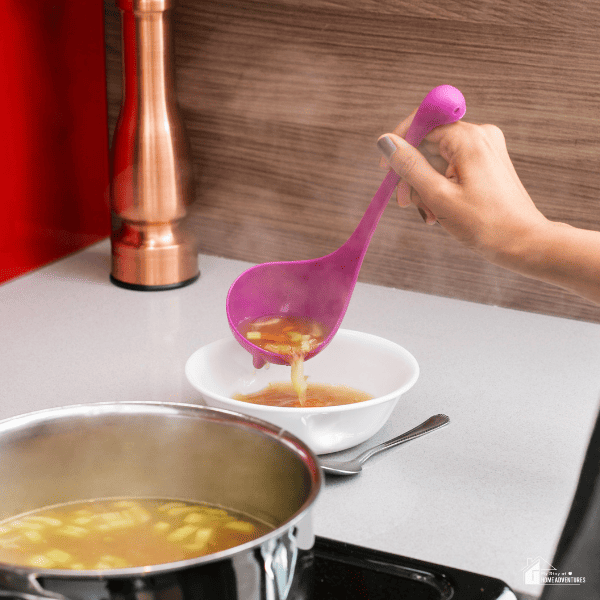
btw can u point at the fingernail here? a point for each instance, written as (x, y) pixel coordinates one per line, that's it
(387, 146)
(423, 214)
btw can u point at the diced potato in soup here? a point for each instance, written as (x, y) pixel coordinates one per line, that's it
(122, 533)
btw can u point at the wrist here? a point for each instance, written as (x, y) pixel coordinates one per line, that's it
(560, 254)
(524, 249)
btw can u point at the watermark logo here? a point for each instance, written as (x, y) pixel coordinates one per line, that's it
(541, 572)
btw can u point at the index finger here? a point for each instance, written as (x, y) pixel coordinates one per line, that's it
(431, 139)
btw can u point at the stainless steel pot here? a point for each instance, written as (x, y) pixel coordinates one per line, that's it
(147, 449)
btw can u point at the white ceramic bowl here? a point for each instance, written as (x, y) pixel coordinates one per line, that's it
(363, 361)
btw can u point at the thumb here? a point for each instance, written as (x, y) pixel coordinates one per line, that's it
(412, 166)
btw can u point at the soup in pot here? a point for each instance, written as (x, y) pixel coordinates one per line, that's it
(122, 533)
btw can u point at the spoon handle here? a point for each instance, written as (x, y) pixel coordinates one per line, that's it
(432, 423)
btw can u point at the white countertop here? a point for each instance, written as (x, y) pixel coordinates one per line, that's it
(483, 494)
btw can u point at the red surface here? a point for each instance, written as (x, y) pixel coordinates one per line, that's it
(54, 143)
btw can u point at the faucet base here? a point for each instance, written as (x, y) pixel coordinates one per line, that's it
(153, 257)
(152, 288)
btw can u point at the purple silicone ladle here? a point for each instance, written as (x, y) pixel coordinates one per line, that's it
(320, 289)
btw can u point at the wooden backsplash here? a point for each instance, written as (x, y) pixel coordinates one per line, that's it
(285, 99)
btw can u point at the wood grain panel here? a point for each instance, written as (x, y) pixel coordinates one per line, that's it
(284, 101)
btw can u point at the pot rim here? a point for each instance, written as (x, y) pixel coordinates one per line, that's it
(193, 410)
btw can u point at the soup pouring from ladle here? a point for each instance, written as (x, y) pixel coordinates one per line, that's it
(320, 289)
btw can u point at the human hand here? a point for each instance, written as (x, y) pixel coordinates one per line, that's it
(463, 178)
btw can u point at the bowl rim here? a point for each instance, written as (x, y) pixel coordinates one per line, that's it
(301, 410)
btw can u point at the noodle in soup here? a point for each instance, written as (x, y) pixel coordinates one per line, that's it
(290, 337)
(293, 338)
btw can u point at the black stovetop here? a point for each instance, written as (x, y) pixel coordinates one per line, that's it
(348, 572)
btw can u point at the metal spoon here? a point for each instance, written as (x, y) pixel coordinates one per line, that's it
(354, 466)
(320, 289)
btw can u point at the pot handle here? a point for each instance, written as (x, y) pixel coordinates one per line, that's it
(28, 588)
(27, 596)
(280, 556)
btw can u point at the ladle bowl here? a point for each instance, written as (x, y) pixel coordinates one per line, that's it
(320, 289)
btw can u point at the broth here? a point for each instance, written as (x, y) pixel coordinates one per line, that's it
(122, 533)
(291, 338)
(284, 335)
(283, 394)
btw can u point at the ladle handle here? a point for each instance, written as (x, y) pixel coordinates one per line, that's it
(443, 105)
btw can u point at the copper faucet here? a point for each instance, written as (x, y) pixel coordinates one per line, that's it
(152, 185)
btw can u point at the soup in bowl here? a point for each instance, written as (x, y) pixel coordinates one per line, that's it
(375, 373)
